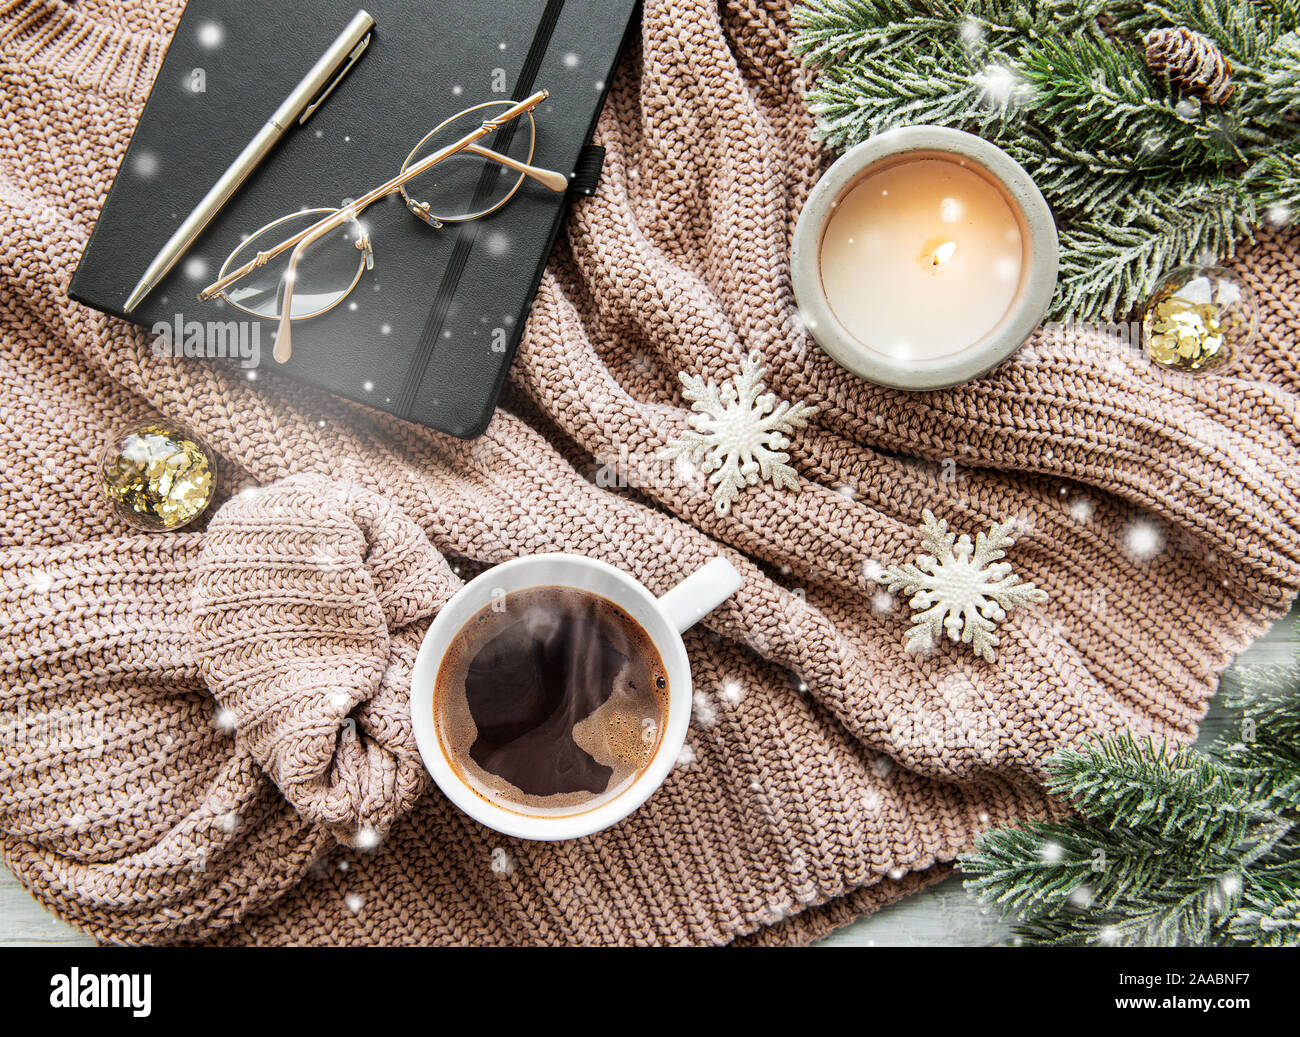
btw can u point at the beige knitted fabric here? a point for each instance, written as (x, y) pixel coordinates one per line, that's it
(205, 736)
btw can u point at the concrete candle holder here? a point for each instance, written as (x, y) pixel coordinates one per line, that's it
(923, 258)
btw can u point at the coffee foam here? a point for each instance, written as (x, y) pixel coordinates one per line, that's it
(623, 734)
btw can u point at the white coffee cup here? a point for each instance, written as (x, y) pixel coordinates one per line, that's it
(664, 619)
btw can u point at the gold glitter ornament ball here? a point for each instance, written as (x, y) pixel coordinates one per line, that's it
(158, 476)
(1196, 317)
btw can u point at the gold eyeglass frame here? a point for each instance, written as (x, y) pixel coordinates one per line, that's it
(338, 217)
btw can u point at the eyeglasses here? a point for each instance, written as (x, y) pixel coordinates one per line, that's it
(328, 250)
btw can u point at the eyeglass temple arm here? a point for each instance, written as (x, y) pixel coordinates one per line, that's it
(283, 335)
(546, 177)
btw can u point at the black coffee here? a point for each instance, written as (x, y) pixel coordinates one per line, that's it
(551, 698)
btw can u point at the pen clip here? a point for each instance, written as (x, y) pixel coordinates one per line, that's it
(355, 53)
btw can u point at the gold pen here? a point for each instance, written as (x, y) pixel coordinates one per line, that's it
(302, 102)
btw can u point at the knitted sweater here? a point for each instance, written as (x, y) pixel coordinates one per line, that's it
(206, 736)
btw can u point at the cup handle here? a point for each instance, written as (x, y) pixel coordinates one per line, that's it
(700, 593)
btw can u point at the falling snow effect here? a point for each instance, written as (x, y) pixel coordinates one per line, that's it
(327, 560)
(145, 165)
(40, 582)
(740, 433)
(961, 589)
(367, 838)
(1153, 143)
(1277, 215)
(1144, 539)
(1001, 87)
(211, 35)
(705, 713)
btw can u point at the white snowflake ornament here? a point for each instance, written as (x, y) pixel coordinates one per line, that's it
(961, 589)
(740, 433)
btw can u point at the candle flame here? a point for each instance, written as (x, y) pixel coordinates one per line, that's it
(938, 255)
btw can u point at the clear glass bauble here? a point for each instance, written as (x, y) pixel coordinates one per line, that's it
(1197, 317)
(158, 475)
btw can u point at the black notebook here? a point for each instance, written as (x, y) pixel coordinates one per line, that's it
(429, 332)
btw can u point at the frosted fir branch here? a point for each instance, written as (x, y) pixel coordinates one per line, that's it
(1108, 267)
(849, 30)
(1033, 870)
(1160, 874)
(1108, 180)
(1279, 187)
(1139, 784)
(1184, 913)
(1241, 29)
(1266, 924)
(1270, 739)
(886, 64)
(837, 30)
(1281, 73)
(1272, 89)
(1078, 884)
(1247, 688)
(1104, 98)
(856, 101)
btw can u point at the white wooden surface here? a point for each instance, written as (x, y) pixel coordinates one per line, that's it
(941, 915)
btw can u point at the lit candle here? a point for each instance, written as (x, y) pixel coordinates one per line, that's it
(923, 258)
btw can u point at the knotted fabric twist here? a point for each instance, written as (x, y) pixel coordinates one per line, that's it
(309, 603)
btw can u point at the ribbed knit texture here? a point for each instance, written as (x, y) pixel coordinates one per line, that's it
(205, 736)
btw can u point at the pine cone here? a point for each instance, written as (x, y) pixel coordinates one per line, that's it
(1190, 62)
